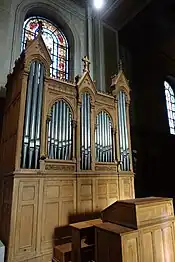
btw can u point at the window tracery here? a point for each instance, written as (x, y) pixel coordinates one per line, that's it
(170, 103)
(55, 41)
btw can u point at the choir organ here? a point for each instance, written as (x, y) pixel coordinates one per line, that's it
(65, 150)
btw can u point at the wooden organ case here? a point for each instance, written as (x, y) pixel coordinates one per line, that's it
(65, 150)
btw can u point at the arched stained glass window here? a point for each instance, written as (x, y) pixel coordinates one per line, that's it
(54, 40)
(170, 103)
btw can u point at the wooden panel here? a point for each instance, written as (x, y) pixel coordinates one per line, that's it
(113, 192)
(47, 258)
(5, 212)
(168, 241)
(52, 191)
(101, 194)
(58, 205)
(102, 188)
(50, 221)
(104, 251)
(139, 212)
(67, 209)
(85, 195)
(86, 190)
(86, 206)
(67, 190)
(158, 246)
(125, 188)
(102, 203)
(130, 248)
(50, 212)
(26, 226)
(147, 247)
(155, 211)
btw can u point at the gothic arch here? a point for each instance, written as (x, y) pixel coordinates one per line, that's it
(103, 109)
(57, 15)
(65, 100)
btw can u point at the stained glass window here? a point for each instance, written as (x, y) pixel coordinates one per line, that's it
(54, 40)
(170, 103)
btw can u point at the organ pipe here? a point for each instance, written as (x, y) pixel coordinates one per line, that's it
(103, 138)
(85, 130)
(32, 119)
(123, 132)
(60, 132)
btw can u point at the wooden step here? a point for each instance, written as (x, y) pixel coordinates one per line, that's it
(62, 253)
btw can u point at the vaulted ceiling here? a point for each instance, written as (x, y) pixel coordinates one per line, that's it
(153, 27)
(118, 13)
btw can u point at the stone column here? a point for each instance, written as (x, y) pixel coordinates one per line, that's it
(98, 55)
(90, 41)
(6, 31)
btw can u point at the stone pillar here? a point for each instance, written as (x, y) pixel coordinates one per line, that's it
(6, 27)
(90, 41)
(98, 54)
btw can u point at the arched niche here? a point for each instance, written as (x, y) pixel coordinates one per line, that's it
(59, 17)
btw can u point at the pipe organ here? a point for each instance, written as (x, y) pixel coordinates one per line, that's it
(65, 151)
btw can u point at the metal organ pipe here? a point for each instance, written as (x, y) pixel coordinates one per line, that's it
(103, 136)
(56, 131)
(123, 132)
(60, 130)
(27, 116)
(32, 120)
(89, 133)
(52, 132)
(39, 115)
(85, 123)
(60, 126)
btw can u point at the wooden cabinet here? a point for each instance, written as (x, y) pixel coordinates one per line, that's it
(115, 243)
(137, 230)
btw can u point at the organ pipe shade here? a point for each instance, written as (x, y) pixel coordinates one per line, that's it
(85, 132)
(123, 132)
(32, 120)
(60, 132)
(103, 138)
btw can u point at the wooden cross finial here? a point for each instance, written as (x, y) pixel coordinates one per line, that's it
(86, 64)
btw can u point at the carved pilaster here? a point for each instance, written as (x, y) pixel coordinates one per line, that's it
(21, 123)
